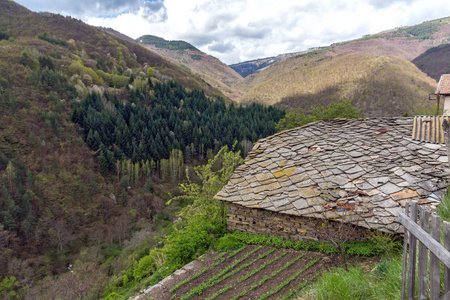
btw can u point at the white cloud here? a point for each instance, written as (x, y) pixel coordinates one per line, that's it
(239, 30)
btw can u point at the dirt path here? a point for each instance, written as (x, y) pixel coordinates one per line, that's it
(249, 273)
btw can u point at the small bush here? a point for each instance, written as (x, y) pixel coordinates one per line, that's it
(387, 243)
(356, 248)
(148, 264)
(51, 39)
(228, 243)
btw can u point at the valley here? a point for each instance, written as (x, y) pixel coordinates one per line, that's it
(111, 150)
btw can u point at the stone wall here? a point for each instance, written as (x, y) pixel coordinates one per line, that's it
(260, 221)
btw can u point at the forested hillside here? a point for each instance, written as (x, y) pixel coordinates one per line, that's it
(165, 121)
(435, 61)
(209, 68)
(95, 131)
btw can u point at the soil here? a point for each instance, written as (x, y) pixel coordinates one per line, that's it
(161, 291)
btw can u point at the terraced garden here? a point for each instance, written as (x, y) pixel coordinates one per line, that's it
(250, 272)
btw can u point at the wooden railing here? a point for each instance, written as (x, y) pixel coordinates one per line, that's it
(429, 129)
(428, 284)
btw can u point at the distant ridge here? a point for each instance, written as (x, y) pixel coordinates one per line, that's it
(383, 74)
(162, 43)
(247, 68)
(214, 72)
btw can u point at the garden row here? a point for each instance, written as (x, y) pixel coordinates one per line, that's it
(254, 272)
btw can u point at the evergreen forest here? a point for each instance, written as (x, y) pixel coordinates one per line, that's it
(163, 120)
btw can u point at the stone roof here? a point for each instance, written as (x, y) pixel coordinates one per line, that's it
(443, 87)
(328, 167)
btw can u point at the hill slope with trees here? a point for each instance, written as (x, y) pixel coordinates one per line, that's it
(374, 71)
(435, 61)
(209, 68)
(94, 132)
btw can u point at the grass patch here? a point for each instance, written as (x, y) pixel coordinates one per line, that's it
(227, 243)
(384, 282)
(444, 208)
(365, 248)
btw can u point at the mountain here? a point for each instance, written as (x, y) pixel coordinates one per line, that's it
(374, 72)
(435, 61)
(95, 44)
(162, 43)
(96, 133)
(247, 68)
(207, 67)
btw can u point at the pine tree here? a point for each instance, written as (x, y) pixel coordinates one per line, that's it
(110, 161)
(8, 221)
(124, 197)
(103, 160)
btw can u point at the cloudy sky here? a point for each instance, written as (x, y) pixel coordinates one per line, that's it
(241, 30)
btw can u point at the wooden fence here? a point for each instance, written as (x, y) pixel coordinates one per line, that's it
(428, 283)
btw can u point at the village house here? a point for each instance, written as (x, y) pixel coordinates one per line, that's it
(327, 168)
(443, 92)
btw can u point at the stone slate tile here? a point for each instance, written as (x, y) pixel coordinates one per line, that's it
(355, 169)
(377, 181)
(389, 188)
(339, 180)
(355, 175)
(427, 185)
(374, 155)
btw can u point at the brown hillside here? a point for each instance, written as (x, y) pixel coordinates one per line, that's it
(406, 42)
(378, 86)
(374, 72)
(209, 68)
(93, 43)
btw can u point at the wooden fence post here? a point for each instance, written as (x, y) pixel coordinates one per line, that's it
(412, 254)
(434, 261)
(422, 268)
(429, 242)
(446, 269)
(405, 254)
(446, 129)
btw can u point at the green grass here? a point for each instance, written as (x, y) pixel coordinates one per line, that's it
(366, 248)
(384, 282)
(444, 208)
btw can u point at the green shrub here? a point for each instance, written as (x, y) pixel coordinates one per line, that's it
(148, 264)
(51, 39)
(387, 243)
(228, 243)
(187, 244)
(366, 248)
(145, 266)
(297, 118)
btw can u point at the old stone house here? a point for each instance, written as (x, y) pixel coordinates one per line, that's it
(323, 169)
(443, 92)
